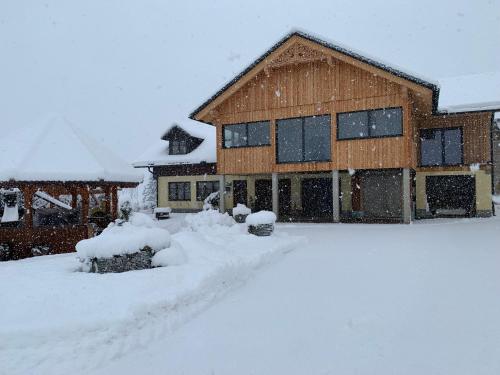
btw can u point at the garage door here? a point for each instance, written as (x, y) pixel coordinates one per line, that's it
(451, 195)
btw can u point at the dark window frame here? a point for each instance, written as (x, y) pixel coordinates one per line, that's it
(246, 136)
(176, 198)
(198, 183)
(176, 144)
(443, 148)
(369, 127)
(303, 140)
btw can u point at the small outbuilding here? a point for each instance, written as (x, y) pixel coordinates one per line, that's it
(57, 186)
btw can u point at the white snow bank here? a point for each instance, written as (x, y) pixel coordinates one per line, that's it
(241, 209)
(48, 310)
(209, 218)
(128, 238)
(261, 217)
(173, 256)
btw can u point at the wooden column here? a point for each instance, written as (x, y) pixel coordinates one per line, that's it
(335, 196)
(28, 192)
(84, 191)
(107, 199)
(114, 203)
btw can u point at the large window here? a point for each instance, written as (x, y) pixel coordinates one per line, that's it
(303, 139)
(178, 147)
(441, 147)
(387, 122)
(248, 134)
(179, 191)
(205, 188)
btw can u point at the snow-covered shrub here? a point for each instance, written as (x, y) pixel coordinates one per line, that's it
(173, 256)
(149, 192)
(241, 209)
(209, 218)
(40, 250)
(125, 210)
(240, 213)
(212, 201)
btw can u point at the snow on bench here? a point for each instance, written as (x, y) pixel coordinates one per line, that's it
(261, 223)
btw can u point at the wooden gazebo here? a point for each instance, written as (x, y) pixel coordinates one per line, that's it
(48, 161)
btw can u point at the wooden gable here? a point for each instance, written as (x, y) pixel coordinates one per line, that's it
(304, 72)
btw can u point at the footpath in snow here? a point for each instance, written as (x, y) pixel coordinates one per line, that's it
(56, 320)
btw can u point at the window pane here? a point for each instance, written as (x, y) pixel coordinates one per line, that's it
(186, 191)
(235, 135)
(258, 133)
(385, 122)
(317, 138)
(289, 139)
(172, 196)
(352, 125)
(205, 188)
(431, 147)
(453, 146)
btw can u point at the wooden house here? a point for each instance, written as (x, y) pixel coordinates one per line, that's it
(319, 132)
(57, 187)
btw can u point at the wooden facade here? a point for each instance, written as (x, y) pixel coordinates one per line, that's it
(301, 78)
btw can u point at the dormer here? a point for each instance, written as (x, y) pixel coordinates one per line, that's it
(179, 141)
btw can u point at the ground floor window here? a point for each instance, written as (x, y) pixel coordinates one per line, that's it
(179, 191)
(205, 188)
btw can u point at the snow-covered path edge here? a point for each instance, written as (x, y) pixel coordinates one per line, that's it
(104, 343)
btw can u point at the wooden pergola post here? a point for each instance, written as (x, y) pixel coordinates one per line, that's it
(114, 205)
(107, 199)
(84, 191)
(28, 192)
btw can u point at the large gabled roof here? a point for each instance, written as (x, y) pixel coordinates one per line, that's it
(411, 77)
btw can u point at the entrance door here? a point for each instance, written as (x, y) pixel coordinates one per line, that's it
(381, 194)
(451, 195)
(263, 195)
(239, 192)
(317, 200)
(285, 196)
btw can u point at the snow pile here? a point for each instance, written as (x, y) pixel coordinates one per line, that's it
(173, 256)
(209, 218)
(241, 209)
(63, 310)
(162, 210)
(260, 218)
(127, 238)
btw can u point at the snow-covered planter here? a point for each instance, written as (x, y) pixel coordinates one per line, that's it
(162, 212)
(240, 213)
(261, 223)
(125, 246)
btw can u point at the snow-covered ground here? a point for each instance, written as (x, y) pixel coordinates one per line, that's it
(357, 299)
(56, 320)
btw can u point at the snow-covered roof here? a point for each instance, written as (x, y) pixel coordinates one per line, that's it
(157, 153)
(473, 92)
(56, 150)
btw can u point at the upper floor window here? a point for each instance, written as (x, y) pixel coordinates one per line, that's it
(386, 122)
(441, 147)
(178, 147)
(303, 139)
(247, 134)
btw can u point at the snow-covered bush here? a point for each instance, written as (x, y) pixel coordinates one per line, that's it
(125, 210)
(241, 209)
(209, 218)
(261, 217)
(149, 192)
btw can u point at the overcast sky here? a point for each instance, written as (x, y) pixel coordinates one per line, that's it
(125, 69)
